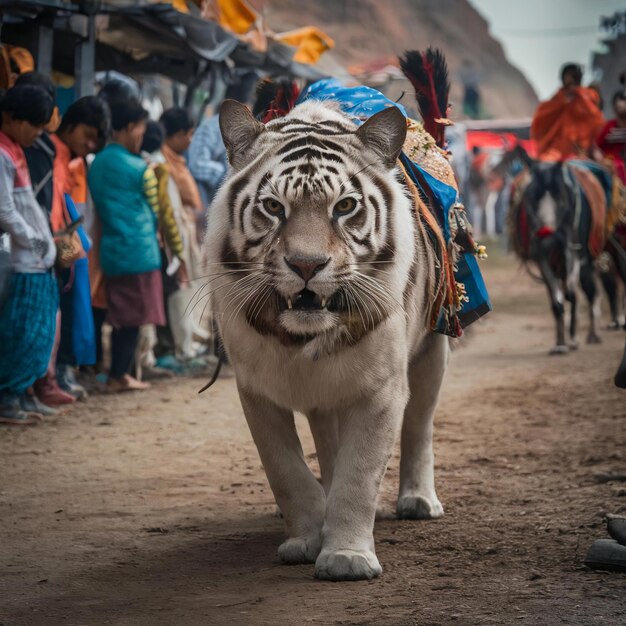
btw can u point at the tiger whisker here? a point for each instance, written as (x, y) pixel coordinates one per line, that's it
(367, 294)
(359, 301)
(379, 288)
(231, 284)
(350, 296)
(259, 294)
(199, 298)
(257, 307)
(239, 301)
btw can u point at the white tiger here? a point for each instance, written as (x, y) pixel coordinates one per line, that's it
(322, 287)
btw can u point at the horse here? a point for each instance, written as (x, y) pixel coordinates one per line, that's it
(552, 224)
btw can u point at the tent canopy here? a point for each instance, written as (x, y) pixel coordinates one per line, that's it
(153, 38)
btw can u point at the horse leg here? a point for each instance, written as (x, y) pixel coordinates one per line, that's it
(587, 280)
(477, 214)
(490, 214)
(609, 283)
(570, 296)
(555, 294)
(620, 376)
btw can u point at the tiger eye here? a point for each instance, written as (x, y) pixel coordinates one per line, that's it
(345, 206)
(273, 207)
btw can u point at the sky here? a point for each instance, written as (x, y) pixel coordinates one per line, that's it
(539, 36)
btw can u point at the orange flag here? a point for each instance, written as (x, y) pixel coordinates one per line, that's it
(236, 15)
(310, 42)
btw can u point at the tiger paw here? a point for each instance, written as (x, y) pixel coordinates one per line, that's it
(298, 550)
(347, 565)
(419, 507)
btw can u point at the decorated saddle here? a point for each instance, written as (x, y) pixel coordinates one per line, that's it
(461, 296)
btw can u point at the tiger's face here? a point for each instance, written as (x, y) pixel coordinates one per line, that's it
(311, 230)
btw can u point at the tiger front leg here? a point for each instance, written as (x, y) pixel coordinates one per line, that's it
(366, 436)
(298, 494)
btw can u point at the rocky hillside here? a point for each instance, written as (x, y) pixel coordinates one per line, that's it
(371, 31)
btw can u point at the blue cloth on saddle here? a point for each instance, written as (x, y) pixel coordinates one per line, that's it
(443, 195)
(601, 173)
(27, 329)
(466, 271)
(360, 103)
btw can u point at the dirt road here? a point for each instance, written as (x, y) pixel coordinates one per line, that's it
(153, 509)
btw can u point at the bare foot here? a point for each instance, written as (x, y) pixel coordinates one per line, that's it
(126, 383)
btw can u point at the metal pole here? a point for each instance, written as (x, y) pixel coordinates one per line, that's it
(85, 61)
(45, 42)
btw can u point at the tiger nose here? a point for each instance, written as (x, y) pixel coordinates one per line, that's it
(306, 266)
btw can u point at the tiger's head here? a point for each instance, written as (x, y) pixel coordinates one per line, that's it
(312, 227)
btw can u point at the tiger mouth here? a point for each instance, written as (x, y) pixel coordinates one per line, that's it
(308, 301)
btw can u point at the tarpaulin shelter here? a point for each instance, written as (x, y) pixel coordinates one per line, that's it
(81, 38)
(499, 135)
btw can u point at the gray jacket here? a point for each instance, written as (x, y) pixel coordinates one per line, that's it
(21, 216)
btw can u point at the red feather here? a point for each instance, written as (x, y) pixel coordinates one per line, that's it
(428, 73)
(284, 101)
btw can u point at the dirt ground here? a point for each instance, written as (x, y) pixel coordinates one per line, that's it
(153, 508)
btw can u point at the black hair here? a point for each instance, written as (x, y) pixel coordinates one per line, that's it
(37, 78)
(176, 119)
(116, 89)
(30, 103)
(575, 70)
(618, 95)
(153, 139)
(125, 112)
(15, 68)
(91, 111)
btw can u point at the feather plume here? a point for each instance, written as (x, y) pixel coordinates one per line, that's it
(428, 73)
(275, 99)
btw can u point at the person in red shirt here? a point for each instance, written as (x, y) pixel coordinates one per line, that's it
(612, 138)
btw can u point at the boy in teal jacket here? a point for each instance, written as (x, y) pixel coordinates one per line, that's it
(124, 191)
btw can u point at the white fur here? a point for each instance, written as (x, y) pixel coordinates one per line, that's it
(356, 397)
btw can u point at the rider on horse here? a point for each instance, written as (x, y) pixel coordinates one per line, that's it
(568, 123)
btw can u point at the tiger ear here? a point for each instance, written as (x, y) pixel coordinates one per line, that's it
(239, 131)
(385, 133)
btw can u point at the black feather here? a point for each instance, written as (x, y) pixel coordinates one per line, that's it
(428, 73)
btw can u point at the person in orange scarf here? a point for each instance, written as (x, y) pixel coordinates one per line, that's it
(568, 123)
(178, 133)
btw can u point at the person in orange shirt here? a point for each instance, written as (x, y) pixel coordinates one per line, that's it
(568, 123)
(83, 129)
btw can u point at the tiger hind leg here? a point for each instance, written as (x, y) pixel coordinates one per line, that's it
(417, 497)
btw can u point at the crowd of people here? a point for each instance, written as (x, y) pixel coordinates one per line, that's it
(102, 215)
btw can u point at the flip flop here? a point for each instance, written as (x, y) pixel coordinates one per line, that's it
(22, 418)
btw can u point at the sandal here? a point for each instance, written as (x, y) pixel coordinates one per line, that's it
(17, 417)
